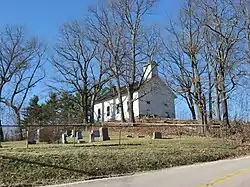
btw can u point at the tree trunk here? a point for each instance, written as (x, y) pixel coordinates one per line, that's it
(192, 109)
(205, 111)
(92, 112)
(118, 89)
(1, 132)
(198, 90)
(217, 104)
(224, 101)
(130, 105)
(1, 128)
(200, 113)
(191, 106)
(210, 98)
(133, 76)
(84, 109)
(19, 126)
(217, 98)
(225, 109)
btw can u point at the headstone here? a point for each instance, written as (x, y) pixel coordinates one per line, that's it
(32, 137)
(91, 138)
(141, 136)
(38, 132)
(96, 133)
(45, 134)
(64, 138)
(68, 132)
(104, 134)
(73, 133)
(79, 135)
(157, 135)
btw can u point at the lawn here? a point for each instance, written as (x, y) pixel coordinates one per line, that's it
(48, 164)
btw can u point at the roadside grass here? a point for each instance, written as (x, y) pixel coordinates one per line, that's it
(44, 164)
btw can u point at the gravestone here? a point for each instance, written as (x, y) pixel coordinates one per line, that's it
(79, 135)
(91, 138)
(104, 134)
(68, 132)
(64, 138)
(157, 135)
(73, 133)
(96, 133)
(45, 134)
(32, 137)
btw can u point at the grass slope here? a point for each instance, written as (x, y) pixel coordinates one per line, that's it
(42, 165)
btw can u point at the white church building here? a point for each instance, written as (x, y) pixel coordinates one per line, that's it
(154, 97)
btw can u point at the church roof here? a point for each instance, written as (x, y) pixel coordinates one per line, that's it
(112, 92)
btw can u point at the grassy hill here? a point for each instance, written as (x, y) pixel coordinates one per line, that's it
(48, 164)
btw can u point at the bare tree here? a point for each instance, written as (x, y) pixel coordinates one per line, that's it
(224, 24)
(131, 13)
(99, 75)
(21, 61)
(80, 61)
(111, 34)
(120, 26)
(183, 56)
(177, 76)
(211, 75)
(211, 37)
(244, 9)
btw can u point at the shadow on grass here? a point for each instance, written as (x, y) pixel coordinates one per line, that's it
(109, 145)
(43, 164)
(167, 138)
(70, 145)
(88, 175)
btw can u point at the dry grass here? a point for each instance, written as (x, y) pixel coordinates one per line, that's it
(54, 163)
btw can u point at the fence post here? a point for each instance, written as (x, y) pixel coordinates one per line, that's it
(120, 134)
(27, 137)
(0, 139)
(1, 132)
(74, 140)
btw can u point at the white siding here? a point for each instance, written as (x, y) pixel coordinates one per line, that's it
(156, 92)
(156, 99)
(113, 111)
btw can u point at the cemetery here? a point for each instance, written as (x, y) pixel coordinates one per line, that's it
(58, 154)
(50, 136)
(82, 154)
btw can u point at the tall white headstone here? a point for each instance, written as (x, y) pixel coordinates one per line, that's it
(64, 138)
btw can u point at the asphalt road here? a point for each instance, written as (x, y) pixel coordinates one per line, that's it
(225, 173)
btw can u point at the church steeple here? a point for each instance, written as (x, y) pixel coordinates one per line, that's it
(150, 70)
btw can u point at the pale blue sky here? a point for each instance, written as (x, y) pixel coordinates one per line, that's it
(44, 17)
